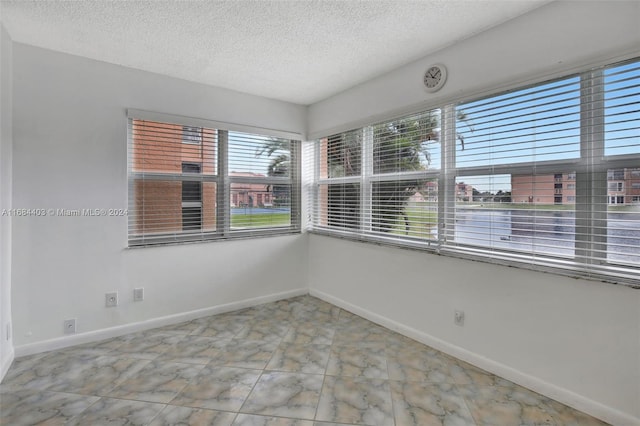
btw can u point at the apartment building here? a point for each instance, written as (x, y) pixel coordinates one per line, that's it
(623, 187)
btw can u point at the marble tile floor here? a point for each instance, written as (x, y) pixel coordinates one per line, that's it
(296, 362)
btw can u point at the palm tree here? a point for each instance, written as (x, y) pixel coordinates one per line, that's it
(397, 147)
(462, 117)
(280, 164)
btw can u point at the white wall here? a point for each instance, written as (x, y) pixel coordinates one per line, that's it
(575, 340)
(70, 151)
(6, 146)
(541, 44)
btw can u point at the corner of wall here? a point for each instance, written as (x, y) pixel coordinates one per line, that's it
(7, 360)
(6, 159)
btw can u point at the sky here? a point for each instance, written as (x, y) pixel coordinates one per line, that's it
(535, 124)
(542, 123)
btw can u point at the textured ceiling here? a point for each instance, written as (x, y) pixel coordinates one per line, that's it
(296, 51)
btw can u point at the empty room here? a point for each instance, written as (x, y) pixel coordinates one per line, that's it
(317, 213)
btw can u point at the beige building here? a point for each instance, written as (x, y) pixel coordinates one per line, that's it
(623, 187)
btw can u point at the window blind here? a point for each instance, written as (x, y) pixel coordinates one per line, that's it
(194, 183)
(380, 182)
(263, 188)
(544, 177)
(620, 112)
(340, 168)
(552, 169)
(520, 199)
(404, 178)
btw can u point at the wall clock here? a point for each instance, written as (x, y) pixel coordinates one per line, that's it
(435, 77)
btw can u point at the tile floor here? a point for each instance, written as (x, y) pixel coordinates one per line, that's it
(299, 362)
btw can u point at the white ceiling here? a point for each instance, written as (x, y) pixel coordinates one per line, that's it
(296, 51)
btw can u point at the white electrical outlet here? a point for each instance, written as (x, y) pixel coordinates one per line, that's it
(70, 326)
(111, 299)
(458, 318)
(8, 331)
(138, 294)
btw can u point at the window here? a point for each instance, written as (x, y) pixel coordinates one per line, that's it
(519, 212)
(261, 182)
(616, 200)
(616, 186)
(615, 174)
(543, 177)
(191, 134)
(191, 199)
(193, 183)
(339, 191)
(381, 182)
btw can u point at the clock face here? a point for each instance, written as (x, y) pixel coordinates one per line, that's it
(435, 77)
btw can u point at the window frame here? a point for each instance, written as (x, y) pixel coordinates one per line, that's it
(366, 180)
(592, 165)
(222, 180)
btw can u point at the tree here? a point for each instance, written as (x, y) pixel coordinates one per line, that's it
(280, 165)
(343, 156)
(462, 117)
(502, 197)
(398, 147)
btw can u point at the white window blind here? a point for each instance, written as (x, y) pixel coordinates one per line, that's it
(514, 143)
(404, 178)
(193, 183)
(262, 173)
(340, 172)
(552, 170)
(621, 116)
(544, 177)
(381, 182)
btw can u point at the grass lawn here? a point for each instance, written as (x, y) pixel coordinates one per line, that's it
(421, 223)
(624, 208)
(516, 206)
(260, 220)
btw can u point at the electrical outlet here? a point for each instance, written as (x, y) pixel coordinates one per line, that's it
(458, 318)
(111, 299)
(8, 331)
(70, 326)
(138, 294)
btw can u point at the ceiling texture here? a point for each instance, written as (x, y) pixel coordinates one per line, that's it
(295, 51)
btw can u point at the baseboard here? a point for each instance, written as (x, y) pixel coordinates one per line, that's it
(6, 363)
(567, 397)
(106, 333)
